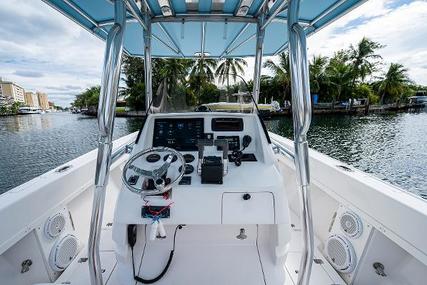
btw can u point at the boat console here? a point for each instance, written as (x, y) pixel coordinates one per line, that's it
(221, 166)
(215, 171)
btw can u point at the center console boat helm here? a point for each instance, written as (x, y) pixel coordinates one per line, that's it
(202, 199)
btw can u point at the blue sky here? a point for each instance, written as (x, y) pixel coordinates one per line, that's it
(43, 51)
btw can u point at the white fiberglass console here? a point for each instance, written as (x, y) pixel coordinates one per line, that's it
(215, 173)
(198, 202)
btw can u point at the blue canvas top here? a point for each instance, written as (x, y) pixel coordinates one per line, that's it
(181, 35)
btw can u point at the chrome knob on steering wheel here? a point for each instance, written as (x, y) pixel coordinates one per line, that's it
(155, 174)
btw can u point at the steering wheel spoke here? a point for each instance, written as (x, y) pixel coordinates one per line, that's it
(146, 173)
(159, 172)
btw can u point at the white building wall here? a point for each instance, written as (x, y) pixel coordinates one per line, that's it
(18, 94)
(35, 100)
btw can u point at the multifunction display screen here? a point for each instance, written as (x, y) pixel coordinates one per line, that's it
(179, 134)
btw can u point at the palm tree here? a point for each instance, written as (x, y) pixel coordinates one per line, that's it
(203, 68)
(318, 72)
(230, 67)
(394, 81)
(363, 59)
(173, 71)
(281, 72)
(202, 72)
(340, 76)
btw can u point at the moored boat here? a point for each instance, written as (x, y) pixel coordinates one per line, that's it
(241, 107)
(29, 110)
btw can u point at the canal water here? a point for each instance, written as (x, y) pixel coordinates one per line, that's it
(392, 147)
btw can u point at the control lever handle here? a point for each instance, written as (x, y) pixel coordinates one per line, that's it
(201, 143)
(223, 144)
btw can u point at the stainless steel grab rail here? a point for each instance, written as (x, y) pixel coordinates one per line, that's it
(278, 148)
(301, 112)
(259, 49)
(305, 77)
(106, 114)
(127, 148)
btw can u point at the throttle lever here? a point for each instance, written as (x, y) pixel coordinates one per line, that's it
(201, 143)
(223, 143)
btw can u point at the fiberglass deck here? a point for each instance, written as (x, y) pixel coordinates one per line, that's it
(206, 264)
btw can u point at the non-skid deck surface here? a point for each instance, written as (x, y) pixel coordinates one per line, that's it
(205, 264)
(226, 265)
(322, 272)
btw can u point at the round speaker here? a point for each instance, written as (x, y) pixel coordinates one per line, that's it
(351, 224)
(63, 252)
(54, 225)
(340, 253)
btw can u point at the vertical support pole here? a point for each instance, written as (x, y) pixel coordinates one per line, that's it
(258, 57)
(106, 114)
(301, 111)
(148, 75)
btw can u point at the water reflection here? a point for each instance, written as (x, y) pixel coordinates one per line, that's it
(34, 144)
(24, 122)
(392, 147)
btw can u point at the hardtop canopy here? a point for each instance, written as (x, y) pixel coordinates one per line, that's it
(214, 28)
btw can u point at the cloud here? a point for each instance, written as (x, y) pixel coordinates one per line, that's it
(64, 88)
(399, 25)
(27, 73)
(36, 38)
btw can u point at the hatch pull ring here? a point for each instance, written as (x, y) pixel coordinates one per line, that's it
(301, 111)
(379, 269)
(25, 266)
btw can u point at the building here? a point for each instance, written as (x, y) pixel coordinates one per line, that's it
(43, 102)
(11, 92)
(31, 99)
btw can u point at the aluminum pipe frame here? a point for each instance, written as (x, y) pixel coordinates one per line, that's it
(258, 57)
(301, 110)
(106, 114)
(147, 60)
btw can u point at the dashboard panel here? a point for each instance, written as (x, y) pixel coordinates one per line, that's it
(233, 142)
(181, 134)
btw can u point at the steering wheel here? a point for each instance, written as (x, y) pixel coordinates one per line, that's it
(155, 174)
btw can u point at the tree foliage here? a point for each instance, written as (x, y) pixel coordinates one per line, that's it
(281, 77)
(394, 82)
(228, 69)
(318, 76)
(350, 73)
(88, 99)
(364, 59)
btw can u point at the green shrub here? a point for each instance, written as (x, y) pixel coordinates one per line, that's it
(120, 109)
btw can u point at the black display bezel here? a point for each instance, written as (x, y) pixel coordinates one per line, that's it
(227, 124)
(179, 145)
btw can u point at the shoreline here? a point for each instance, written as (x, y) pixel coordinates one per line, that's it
(317, 110)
